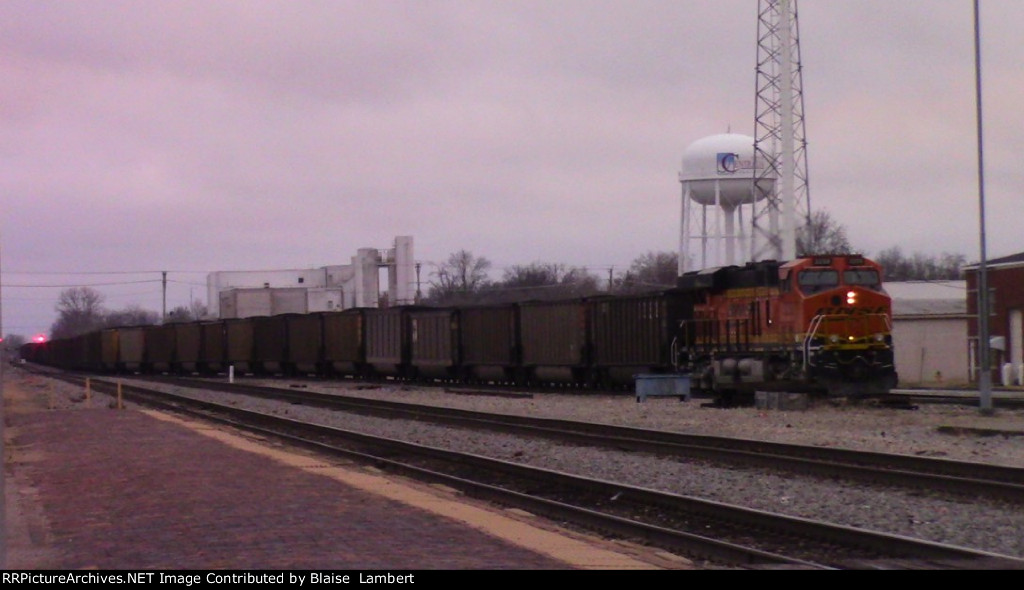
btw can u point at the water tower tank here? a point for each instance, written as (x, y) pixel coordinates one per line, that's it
(720, 163)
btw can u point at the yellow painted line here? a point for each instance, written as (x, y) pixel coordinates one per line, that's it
(573, 551)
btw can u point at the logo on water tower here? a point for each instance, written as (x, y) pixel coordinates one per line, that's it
(727, 163)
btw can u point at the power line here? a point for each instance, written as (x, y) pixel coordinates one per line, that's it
(98, 272)
(83, 284)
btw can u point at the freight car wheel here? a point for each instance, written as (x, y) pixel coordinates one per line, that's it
(584, 379)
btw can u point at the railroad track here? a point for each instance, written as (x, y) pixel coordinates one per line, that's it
(706, 530)
(917, 473)
(912, 397)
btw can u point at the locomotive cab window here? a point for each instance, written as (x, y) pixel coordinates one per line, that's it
(865, 277)
(813, 280)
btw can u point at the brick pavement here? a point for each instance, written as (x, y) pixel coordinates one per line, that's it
(113, 489)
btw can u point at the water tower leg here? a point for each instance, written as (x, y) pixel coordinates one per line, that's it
(730, 234)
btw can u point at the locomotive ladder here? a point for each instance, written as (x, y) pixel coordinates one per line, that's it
(808, 337)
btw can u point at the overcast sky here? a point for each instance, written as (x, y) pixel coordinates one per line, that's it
(213, 135)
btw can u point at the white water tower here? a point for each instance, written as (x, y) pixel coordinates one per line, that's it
(717, 177)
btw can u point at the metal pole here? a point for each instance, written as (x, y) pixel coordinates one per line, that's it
(164, 317)
(787, 167)
(3, 455)
(419, 295)
(985, 375)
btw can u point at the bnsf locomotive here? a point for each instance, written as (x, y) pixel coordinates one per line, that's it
(820, 323)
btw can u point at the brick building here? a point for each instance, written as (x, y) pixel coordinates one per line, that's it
(1006, 326)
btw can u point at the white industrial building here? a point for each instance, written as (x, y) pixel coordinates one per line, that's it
(236, 294)
(929, 332)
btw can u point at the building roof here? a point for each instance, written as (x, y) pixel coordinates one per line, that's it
(1011, 260)
(928, 298)
(926, 289)
(929, 307)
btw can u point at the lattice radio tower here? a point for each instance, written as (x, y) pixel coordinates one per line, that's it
(782, 207)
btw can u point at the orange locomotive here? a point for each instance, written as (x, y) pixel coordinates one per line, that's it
(821, 323)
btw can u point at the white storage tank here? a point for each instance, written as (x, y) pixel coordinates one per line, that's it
(719, 170)
(717, 176)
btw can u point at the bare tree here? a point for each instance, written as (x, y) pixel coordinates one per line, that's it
(198, 310)
(536, 274)
(651, 271)
(79, 310)
(132, 315)
(582, 281)
(193, 312)
(545, 280)
(459, 279)
(920, 267)
(824, 235)
(14, 341)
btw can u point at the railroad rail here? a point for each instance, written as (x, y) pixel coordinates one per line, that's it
(741, 536)
(917, 473)
(1009, 399)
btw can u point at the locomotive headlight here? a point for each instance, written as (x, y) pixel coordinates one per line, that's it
(851, 297)
(834, 338)
(879, 337)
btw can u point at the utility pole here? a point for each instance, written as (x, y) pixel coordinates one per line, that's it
(3, 457)
(419, 295)
(163, 318)
(985, 376)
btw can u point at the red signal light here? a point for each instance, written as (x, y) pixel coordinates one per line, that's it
(39, 338)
